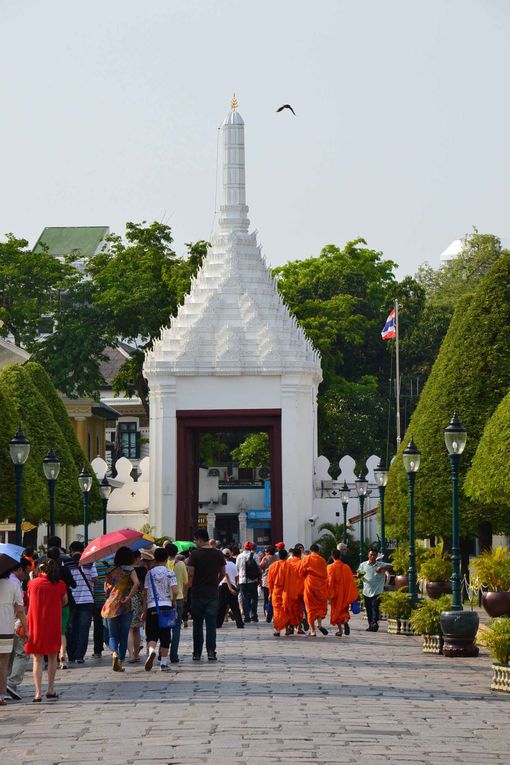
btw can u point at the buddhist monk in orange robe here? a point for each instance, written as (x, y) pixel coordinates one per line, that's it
(315, 572)
(295, 590)
(342, 591)
(277, 583)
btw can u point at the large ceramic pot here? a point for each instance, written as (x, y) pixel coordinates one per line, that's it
(401, 580)
(496, 603)
(436, 589)
(459, 630)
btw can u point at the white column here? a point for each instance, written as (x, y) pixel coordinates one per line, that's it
(242, 526)
(298, 449)
(163, 457)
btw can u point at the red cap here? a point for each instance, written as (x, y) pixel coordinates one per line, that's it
(248, 546)
(280, 545)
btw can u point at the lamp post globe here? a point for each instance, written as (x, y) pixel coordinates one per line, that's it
(361, 485)
(411, 458)
(19, 449)
(105, 490)
(381, 478)
(51, 469)
(459, 627)
(85, 484)
(345, 494)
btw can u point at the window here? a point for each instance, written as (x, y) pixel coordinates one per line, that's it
(129, 440)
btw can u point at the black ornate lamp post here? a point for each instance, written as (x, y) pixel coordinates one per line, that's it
(459, 627)
(106, 490)
(411, 458)
(51, 469)
(344, 498)
(361, 485)
(381, 479)
(19, 449)
(85, 482)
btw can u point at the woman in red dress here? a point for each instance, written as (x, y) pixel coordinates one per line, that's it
(47, 594)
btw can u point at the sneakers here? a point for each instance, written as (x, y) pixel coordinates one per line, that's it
(96, 655)
(196, 657)
(347, 629)
(164, 668)
(116, 663)
(212, 656)
(174, 661)
(149, 661)
(13, 693)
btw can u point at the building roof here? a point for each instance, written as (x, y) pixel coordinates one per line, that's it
(11, 354)
(81, 241)
(115, 358)
(234, 321)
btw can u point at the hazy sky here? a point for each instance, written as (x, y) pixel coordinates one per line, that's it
(110, 110)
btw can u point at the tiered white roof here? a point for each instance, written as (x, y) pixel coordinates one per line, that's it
(234, 321)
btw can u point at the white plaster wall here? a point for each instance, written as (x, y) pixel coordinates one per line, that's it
(228, 392)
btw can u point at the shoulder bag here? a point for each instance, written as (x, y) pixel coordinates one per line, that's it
(165, 618)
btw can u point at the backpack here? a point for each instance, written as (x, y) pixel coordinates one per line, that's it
(251, 568)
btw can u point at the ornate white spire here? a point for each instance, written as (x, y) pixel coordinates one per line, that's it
(233, 322)
(233, 211)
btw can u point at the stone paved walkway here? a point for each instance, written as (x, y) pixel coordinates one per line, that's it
(350, 700)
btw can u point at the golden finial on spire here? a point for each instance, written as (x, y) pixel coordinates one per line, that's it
(234, 103)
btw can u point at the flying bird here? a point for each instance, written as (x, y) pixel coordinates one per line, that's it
(286, 106)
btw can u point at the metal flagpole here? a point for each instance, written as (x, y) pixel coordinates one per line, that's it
(397, 373)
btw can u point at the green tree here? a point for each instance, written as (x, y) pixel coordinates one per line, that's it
(129, 291)
(253, 452)
(487, 478)
(340, 299)
(471, 374)
(30, 287)
(33, 402)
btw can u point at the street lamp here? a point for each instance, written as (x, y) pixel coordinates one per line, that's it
(344, 499)
(361, 485)
(411, 458)
(106, 490)
(51, 469)
(85, 483)
(381, 479)
(455, 437)
(459, 627)
(19, 449)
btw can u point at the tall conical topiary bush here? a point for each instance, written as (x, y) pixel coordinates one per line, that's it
(487, 478)
(35, 404)
(471, 375)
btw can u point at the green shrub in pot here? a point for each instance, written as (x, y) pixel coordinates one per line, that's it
(396, 605)
(425, 618)
(495, 636)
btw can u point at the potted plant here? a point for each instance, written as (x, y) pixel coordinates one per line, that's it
(400, 563)
(496, 637)
(425, 621)
(397, 606)
(436, 571)
(492, 575)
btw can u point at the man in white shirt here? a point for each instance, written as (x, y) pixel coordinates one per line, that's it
(373, 574)
(228, 592)
(159, 594)
(249, 577)
(18, 660)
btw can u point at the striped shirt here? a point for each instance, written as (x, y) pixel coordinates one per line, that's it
(82, 592)
(99, 594)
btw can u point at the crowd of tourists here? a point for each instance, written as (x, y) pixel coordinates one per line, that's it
(140, 601)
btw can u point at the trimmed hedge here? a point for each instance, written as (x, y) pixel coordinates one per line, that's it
(487, 479)
(32, 401)
(471, 374)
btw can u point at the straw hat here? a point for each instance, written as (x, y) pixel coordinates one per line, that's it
(147, 553)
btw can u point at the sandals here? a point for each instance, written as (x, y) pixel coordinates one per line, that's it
(36, 700)
(51, 696)
(338, 634)
(323, 630)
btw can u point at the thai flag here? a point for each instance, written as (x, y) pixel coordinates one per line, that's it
(389, 331)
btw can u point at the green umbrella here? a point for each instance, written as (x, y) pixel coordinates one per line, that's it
(181, 546)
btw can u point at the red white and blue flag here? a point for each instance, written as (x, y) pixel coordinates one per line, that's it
(389, 331)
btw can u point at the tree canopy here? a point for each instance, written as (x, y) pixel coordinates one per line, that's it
(28, 397)
(487, 478)
(471, 375)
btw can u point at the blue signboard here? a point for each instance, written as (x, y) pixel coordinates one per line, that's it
(267, 493)
(258, 515)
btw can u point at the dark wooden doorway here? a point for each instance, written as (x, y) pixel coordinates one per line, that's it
(190, 424)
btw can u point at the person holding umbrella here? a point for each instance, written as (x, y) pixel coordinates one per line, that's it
(11, 608)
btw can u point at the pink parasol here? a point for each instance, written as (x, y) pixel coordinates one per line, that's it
(108, 544)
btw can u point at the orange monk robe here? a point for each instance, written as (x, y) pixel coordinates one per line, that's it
(342, 591)
(294, 593)
(315, 572)
(277, 581)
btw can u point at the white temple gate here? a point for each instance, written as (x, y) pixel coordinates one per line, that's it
(233, 357)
